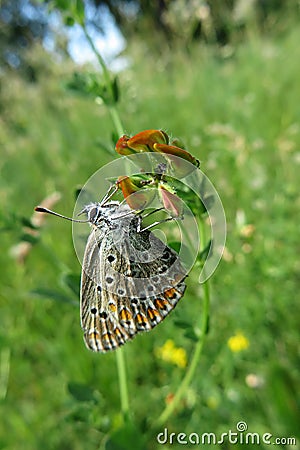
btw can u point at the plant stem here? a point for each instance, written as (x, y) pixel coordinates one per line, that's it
(170, 408)
(98, 56)
(123, 384)
(116, 120)
(117, 123)
(111, 108)
(4, 371)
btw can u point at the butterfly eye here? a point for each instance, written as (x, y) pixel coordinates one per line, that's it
(93, 215)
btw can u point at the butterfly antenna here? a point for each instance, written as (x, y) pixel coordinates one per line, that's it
(48, 211)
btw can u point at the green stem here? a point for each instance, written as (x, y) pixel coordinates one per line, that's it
(116, 120)
(4, 371)
(124, 398)
(111, 108)
(123, 384)
(170, 408)
(98, 56)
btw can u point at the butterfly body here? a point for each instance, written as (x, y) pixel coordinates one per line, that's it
(130, 279)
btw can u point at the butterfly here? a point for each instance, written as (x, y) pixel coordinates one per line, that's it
(130, 279)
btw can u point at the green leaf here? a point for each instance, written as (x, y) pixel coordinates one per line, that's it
(72, 281)
(80, 412)
(114, 137)
(85, 197)
(72, 10)
(26, 237)
(115, 89)
(192, 335)
(178, 143)
(126, 438)
(112, 180)
(182, 324)
(190, 197)
(50, 294)
(27, 223)
(204, 253)
(63, 5)
(81, 392)
(175, 245)
(77, 192)
(79, 11)
(69, 21)
(12, 221)
(87, 84)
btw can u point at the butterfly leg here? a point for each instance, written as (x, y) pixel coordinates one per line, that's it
(152, 212)
(158, 222)
(111, 191)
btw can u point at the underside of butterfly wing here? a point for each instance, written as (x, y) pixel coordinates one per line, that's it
(130, 282)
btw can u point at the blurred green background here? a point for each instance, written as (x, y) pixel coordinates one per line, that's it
(224, 77)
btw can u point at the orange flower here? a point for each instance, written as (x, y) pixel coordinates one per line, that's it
(141, 142)
(156, 141)
(139, 192)
(176, 151)
(136, 196)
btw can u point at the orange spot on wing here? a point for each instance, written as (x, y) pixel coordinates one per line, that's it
(105, 337)
(152, 313)
(160, 303)
(118, 332)
(170, 292)
(125, 314)
(94, 337)
(141, 319)
(112, 307)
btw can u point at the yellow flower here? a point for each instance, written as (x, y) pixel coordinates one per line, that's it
(238, 342)
(169, 353)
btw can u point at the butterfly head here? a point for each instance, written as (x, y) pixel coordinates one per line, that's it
(110, 211)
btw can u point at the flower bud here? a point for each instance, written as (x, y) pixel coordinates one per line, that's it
(171, 202)
(137, 196)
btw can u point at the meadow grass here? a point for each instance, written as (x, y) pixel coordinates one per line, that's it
(237, 110)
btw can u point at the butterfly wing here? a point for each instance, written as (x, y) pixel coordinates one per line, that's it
(99, 320)
(130, 282)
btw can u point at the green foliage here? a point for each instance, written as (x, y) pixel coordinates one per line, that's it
(72, 10)
(239, 113)
(90, 84)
